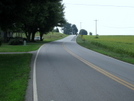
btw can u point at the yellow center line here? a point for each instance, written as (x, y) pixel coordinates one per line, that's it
(113, 77)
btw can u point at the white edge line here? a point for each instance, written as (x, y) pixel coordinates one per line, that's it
(35, 94)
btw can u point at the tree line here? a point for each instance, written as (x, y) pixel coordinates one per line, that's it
(71, 29)
(31, 16)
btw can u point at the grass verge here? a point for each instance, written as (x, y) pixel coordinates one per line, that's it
(121, 56)
(14, 73)
(32, 46)
(14, 68)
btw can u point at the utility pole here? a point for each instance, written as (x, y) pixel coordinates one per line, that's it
(96, 28)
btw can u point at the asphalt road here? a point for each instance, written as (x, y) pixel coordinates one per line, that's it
(66, 71)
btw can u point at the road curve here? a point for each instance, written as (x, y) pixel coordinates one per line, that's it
(66, 71)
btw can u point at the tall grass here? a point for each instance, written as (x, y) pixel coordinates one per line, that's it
(52, 36)
(123, 45)
(119, 44)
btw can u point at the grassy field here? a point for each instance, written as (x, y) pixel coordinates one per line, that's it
(31, 46)
(14, 68)
(52, 36)
(120, 47)
(14, 72)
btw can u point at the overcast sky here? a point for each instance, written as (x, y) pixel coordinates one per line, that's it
(115, 17)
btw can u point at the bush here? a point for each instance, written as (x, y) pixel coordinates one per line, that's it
(16, 41)
(90, 33)
(97, 36)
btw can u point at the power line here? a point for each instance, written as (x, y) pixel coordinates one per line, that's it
(99, 5)
(120, 27)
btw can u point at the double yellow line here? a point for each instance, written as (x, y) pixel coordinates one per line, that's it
(131, 86)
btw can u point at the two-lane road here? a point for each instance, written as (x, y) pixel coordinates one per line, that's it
(66, 71)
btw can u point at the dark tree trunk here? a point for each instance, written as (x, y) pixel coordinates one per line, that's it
(33, 35)
(5, 37)
(41, 35)
(28, 34)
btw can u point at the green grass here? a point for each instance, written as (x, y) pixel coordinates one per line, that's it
(31, 46)
(15, 68)
(14, 72)
(52, 36)
(20, 48)
(119, 47)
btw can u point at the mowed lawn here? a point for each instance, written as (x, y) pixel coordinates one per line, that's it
(14, 73)
(15, 68)
(120, 47)
(32, 46)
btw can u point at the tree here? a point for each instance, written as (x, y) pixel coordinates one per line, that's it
(56, 30)
(83, 32)
(67, 29)
(74, 29)
(11, 13)
(29, 15)
(70, 29)
(55, 17)
(90, 33)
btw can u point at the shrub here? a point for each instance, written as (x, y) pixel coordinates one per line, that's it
(16, 41)
(90, 33)
(97, 36)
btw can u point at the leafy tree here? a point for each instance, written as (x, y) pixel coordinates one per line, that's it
(90, 33)
(74, 29)
(34, 17)
(55, 17)
(11, 11)
(67, 29)
(29, 15)
(83, 32)
(11, 14)
(56, 30)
